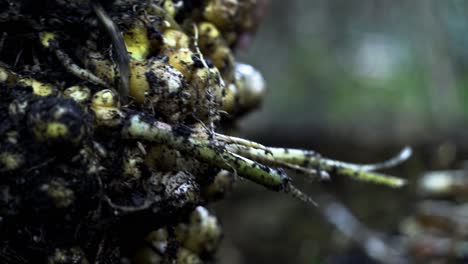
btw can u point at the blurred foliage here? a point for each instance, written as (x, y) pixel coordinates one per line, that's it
(395, 66)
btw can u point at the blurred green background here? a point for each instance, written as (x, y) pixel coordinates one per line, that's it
(354, 80)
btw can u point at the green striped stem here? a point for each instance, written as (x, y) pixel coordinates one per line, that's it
(149, 129)
(309, 159)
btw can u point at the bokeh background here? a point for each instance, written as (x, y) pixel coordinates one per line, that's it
(356, 81)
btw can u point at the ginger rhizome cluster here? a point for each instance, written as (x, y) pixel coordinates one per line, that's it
(112, 132)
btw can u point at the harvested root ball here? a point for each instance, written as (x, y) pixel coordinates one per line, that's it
(109, 130)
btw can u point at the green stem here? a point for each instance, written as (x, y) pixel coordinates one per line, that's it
(184, 140)
(309, 159)
(303, 155)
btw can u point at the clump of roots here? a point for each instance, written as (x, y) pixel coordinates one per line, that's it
(108, 132)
